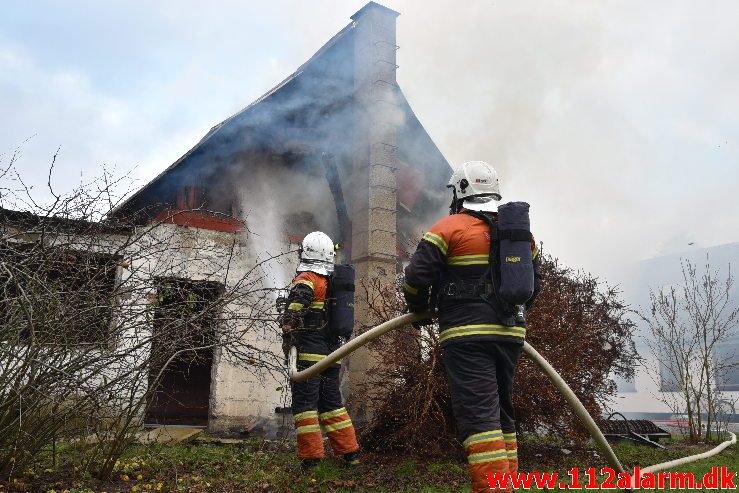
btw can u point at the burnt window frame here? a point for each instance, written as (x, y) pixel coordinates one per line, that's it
(67, 257)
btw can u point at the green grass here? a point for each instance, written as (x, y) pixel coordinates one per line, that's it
(260, 467)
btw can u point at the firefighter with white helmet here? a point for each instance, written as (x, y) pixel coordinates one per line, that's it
(475, 183)
(457, 261)
(317, 254)
(316, 401)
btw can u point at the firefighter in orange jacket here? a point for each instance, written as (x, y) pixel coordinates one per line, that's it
(316, 402)
(481, 342)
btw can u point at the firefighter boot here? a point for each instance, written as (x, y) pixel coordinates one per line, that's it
(352, 459)
(308, 464)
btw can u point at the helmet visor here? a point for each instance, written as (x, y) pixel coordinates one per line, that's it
(484, 203)
(317, 266)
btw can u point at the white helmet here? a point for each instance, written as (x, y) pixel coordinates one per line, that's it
(476, 183)
(317, 254)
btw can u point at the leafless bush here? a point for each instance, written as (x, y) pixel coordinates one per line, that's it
(407, 391)
(686, 326)
(95, 313)
(579, 326)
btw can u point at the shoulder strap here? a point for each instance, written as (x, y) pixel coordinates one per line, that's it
(493, 271)
(330, 296)
(329, 287)
(493, 253)
(493, 227)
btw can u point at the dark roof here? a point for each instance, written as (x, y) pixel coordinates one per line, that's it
(27, 220)
(318, 97)
(242, 115)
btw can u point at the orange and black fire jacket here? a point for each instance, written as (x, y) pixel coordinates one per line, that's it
(458, 247)
(306, 312)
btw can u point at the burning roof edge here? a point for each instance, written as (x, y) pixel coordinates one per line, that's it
(272, 91)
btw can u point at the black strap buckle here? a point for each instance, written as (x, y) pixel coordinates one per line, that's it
(451, 289)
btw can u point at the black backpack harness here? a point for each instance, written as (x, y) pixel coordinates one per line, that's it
(485, 289)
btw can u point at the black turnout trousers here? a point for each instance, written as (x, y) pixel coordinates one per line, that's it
(322, 391)
(480, 378)
(317, 393)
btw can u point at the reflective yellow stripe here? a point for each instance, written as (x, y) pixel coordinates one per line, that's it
(535, 252)
(485, 436)
(296, 306)
(306, 414)
(482, 329)
(487, 456)
(468, 260)
(312, 357)
(332, 414)
(303, 281)
(436, 240)
(338, 426)
(512, 454)
(307, 429)
(510, 437)
(317, 304)
(410, 288)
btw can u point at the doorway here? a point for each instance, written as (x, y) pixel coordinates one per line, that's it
(185, 320)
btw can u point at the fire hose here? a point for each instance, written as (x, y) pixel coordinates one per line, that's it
(577, 406)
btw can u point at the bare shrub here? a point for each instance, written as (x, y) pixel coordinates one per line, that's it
(686, 326)
(407, 391)
(95, 313)
(582, 328)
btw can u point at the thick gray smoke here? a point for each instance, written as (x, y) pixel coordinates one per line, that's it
(272, 212)
(266, 240)
(617, 121)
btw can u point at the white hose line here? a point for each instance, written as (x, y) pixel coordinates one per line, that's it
(351, 346)
(576, 406)
(549, 371)
(692, 458)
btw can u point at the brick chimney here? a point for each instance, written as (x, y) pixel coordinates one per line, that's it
(373, 201)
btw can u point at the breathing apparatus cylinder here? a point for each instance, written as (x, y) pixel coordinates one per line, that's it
(515, 260)
(341, 301)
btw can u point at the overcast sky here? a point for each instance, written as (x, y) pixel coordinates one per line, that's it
(617, 120)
